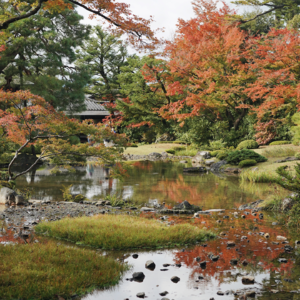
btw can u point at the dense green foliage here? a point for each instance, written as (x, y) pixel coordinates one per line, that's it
(235, 157)
(280, 143)
(247, 163)
(40, 56)
(248, 144)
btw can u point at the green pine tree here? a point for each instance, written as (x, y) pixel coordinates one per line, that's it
(39, 56)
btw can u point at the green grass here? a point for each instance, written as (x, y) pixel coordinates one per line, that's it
(122, 232)
(187, 152)
(44, 271)
(279, 151)
(147, 149)
(258, 176)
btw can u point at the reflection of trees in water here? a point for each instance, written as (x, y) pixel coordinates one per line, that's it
(261, 257)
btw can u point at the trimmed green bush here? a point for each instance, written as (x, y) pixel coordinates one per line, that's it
(214, 153)
(235, 157)
(247, 163)
(171, 151)
(178, 142)
(222, 155)
(134, 145)
(280, 143)
(248, 144)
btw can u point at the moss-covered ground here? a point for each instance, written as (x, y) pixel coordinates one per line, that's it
(48, 270)
(121, 232)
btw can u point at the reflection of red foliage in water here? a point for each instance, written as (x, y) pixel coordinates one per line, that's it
(9, 237)
(259, 251)
(178, 190)
(143, 165)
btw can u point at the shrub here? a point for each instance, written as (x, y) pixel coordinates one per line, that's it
(247, 162)
(280, 143)
(222, 155)
(248, 144)
(67, 196)
(74, 140)
(171, 151)
(235, 157)
(178, 142)
(217, 145)
(297, 155)
(134, 145)
(214, 153)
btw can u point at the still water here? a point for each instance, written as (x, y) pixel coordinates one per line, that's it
(165, 182)
(146, 181)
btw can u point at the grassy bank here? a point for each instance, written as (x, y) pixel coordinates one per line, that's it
(147, 149)
(44, 271)
(122, 232)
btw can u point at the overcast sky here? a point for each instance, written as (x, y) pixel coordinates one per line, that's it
(164, 12)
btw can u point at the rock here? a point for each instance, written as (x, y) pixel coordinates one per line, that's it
(282, 260)
(274, 291)
(234, 261)
(215, 257)
(232, 170)
(195, 170)
(147, 209)
(248, 280)
(209, 162)
(140, 295)
(287, 204)
(196, 215)
(184, 205)
(164, 293)
(183, 162)
(138, 275)
(135, 256)
(200, 277)
(217, 166)
(220, 293)
(202, 264)
(250, 294)
(288, 248)
(267, 235)
(281, 238)
(230, 243)
(9, 197)
(150, 265)
(215, 210)
(154, 156)
(164, 298)
(244, 262)
(251, 205)
(175, 279)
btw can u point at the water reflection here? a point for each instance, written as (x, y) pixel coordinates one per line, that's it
(162, 181)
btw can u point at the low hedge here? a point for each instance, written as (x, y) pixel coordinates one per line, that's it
(247, 163)
(235, 157)
(171, 151)
(248, 144)
(280, 143)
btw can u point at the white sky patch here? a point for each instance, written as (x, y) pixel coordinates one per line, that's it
(165, 13)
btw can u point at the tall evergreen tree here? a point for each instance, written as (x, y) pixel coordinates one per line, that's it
(39, 56)
(104, 55)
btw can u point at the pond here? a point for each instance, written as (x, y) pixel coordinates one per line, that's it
(161, 181)
(275, 267)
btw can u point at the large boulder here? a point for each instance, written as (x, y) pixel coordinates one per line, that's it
(217, 166)
(155, 156)
(9, 197)
(200, 156)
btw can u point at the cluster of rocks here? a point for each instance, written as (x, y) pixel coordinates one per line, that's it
(10, 197)
(154, 156)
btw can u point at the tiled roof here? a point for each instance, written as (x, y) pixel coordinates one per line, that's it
(93, 105)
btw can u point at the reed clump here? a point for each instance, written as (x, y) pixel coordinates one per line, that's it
(48, 270)
(122, 232)
(256, 176)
